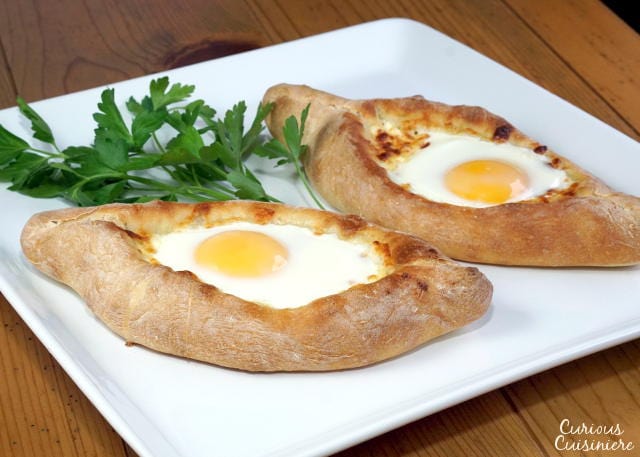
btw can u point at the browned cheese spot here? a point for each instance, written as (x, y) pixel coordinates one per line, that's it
(200, 212)
(263, 215)
(571, 190)
(502, 132)
(382, 249)
(351, 224)
(385, 145)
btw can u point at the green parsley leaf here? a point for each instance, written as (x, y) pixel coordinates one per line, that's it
(136, 107)
(24, 171)
(188, 141)
(109, 119)
(41, 130)
(143, 162)
(248, 188)
(112, 153)
(144, 125)
(46, 189)
(10, 146)
(274, 149)
(229, 133)
(292, 151)
(106, 193)
(192, 112)
(292, 133)
(205, 159)
(160, 97)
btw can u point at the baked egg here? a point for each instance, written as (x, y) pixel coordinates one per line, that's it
(282, 266)
(465, 170)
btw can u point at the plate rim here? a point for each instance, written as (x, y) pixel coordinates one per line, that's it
(624, 332)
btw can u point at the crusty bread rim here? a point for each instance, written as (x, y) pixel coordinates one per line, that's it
(588, 224)
(97, 252)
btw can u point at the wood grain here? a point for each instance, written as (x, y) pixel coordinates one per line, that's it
(603, 388)
(488, 26)
(42, 412)
(51, 48)
(486, 425)
(607, 56)
(108, 41)
(7, 88)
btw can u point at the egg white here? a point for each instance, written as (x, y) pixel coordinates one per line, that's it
(317, 265)
(424, 171)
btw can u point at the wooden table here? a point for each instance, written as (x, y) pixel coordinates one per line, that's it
(577, 49)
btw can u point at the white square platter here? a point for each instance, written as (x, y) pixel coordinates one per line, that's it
(168, 407)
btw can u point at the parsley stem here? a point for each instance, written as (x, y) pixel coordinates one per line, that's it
(157, 143)
(195, 176)
(307, 185)
(53, 155)
(113, 166)
(100, 176)
(173, 174)
(220, 193)
(211, 193)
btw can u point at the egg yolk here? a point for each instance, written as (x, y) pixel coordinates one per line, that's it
(241, 253)
(487, 181)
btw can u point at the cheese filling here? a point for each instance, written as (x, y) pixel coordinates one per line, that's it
(281, 266)
(467, 171)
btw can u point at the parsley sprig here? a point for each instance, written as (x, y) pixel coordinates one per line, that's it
(205, 159)
(292, 150)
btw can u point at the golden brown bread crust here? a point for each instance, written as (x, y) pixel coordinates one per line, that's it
(587, 224)
(99, 252)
